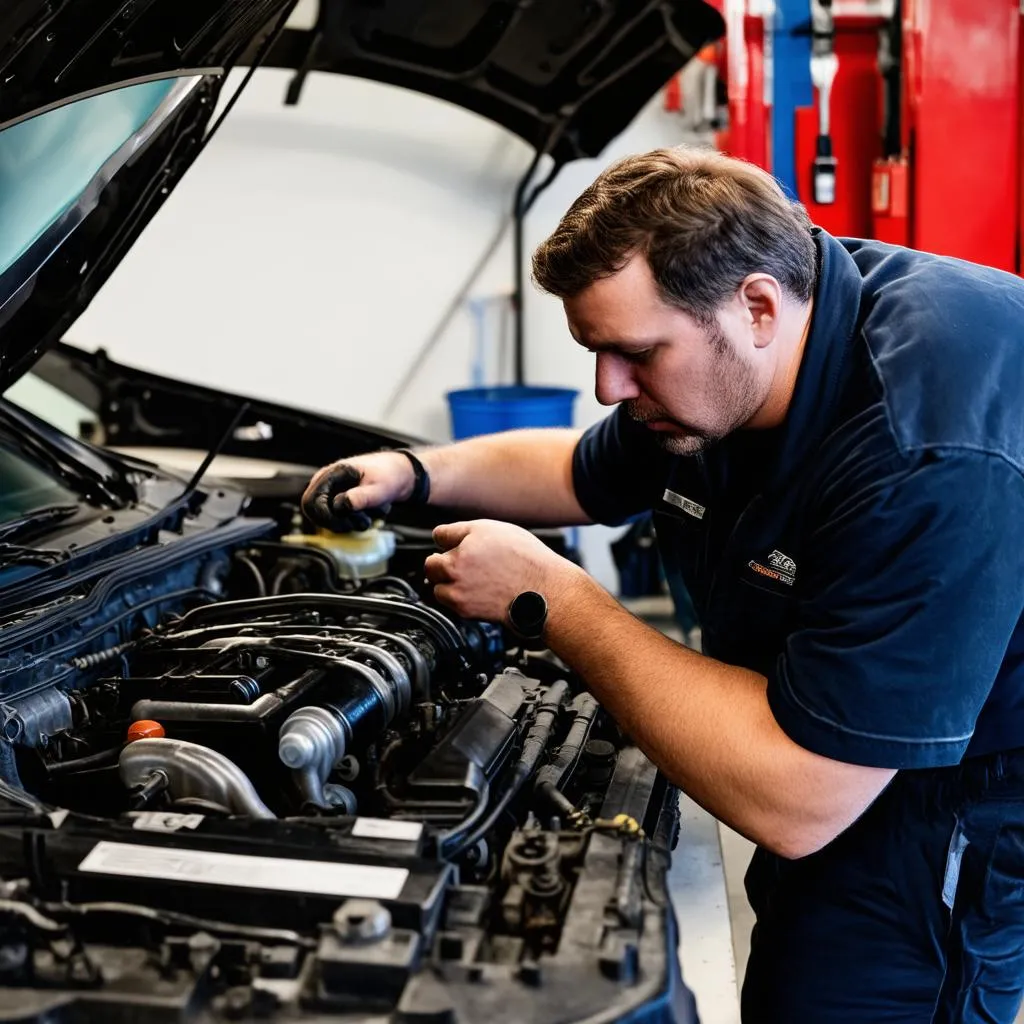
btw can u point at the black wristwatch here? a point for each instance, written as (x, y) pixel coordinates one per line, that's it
(421, 479)
(527, 614)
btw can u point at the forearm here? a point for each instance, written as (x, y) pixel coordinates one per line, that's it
(523, 476)
(707, 725)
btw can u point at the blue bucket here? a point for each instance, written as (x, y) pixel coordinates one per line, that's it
(507, 407)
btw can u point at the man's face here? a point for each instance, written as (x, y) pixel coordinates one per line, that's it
(690, 383)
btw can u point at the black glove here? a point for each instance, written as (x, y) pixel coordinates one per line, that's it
(328, 504)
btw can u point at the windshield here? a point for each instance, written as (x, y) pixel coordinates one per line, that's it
(48, 161)
(25, 487)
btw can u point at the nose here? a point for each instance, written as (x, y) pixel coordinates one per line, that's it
(614, 381)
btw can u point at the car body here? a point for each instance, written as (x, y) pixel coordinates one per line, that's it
(249, 770)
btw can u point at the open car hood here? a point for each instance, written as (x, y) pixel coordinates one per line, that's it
(565, 75)
(79, 183)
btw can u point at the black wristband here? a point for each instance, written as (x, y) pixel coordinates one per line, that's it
(421, 485)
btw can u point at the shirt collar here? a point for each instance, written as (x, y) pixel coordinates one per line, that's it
(823, 367)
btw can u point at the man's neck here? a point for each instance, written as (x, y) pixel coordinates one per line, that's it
(793, 341)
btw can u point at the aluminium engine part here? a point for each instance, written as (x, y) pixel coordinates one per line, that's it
(311, 743)
(33, 719)
(392, 679)
(341, 797)
(192, 770)
(260, 710)
(314, 739)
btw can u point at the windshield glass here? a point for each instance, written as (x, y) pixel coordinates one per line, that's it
(24, 486)
(48, 161)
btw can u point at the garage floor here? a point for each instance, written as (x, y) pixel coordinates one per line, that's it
(706, 884)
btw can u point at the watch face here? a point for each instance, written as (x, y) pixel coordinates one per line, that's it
(527, 613)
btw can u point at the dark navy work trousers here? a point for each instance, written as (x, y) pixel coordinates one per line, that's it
(914, 915)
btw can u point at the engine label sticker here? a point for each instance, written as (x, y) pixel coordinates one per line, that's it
(160, 821)
(382, 828)
(275, 874)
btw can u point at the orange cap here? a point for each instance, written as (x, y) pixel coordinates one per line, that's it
(145, 729)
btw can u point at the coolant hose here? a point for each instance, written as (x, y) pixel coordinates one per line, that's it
(470, 831)
(586, 707)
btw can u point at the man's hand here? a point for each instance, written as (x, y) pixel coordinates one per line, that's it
(485, 564)
(348, 495)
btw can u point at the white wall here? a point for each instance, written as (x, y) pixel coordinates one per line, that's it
(309, 252)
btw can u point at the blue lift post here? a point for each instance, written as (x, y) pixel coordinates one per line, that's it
(791, 84)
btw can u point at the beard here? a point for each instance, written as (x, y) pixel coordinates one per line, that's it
(733, 395)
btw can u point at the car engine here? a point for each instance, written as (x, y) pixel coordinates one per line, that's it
(270, 788)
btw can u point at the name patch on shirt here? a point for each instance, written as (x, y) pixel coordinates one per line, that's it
(695, 510)
(780, 567)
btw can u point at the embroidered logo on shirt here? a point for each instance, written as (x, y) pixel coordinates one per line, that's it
(780, 567)
(695, 510)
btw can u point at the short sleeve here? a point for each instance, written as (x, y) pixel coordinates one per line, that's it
(912, 588)
(618, 469)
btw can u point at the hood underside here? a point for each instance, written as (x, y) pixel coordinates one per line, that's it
(565, 75)
(97, 172)
(104, 104)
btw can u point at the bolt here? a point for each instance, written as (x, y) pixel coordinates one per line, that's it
(296, 750)
(13, 726)
(13, 957)
(341, 797)
(237, 1002)
(202, 942)
(358, 921)
(547, 882)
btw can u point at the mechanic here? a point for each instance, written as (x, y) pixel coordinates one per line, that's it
(831, 436)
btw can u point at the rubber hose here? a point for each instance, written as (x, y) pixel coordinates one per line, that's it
(562, 764)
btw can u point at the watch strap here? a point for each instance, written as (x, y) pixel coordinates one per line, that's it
(421, 483)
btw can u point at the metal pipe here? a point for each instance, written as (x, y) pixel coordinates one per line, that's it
(207, 711)
(520, 208)
(243, 634)
(314, 739)
(192, 770)
(436, 623)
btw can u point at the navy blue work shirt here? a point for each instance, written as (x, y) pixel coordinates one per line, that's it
(868, 555)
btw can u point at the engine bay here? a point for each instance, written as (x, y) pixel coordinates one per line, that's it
(275, 786)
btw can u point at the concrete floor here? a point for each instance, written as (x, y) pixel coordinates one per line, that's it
(706, 883)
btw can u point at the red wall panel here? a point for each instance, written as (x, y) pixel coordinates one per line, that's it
(963, 94)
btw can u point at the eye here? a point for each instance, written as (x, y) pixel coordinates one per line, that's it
(638, 357)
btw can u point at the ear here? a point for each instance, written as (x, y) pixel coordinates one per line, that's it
(761, 297)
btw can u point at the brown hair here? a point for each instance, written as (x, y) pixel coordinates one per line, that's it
(704, 221)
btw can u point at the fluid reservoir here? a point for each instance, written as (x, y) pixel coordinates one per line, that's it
(360, 556)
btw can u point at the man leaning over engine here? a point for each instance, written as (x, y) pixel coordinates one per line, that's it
(831, 436)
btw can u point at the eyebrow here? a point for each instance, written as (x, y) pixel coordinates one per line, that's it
(632, 344)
